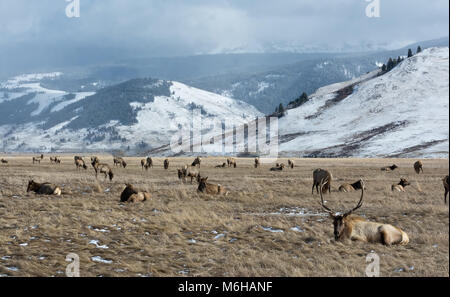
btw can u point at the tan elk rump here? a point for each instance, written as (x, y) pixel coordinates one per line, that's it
(319, 175)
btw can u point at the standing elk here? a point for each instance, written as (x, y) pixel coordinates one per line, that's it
(348, 226)
(318, 175)
(257, 162)
(94, 160)
(55, 160)
(400, 187)
(231, 162)
(187, 172)
(105, 169)
(389, 168)
(38, 159)
(166, 164)
(352, 187)
(119, 161)
(446, 183)
(130, 194)
(291, 164)
(196, 162)
(79, 163)
(418, 167)
(210, 189)
(43, 189)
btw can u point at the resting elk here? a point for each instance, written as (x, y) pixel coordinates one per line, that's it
(43, 189)
(400, 187)
(389, 168)
(352, 187)
(211, 189)
(348, 226)
(130, 194)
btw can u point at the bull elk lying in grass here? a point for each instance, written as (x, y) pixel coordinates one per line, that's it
(348, 226)
(446, 183)
(291, 164)
(4, 161)
(231, 162)
(418, 167)
(210, 189)
(389, 168)
(43, 189)
(130, 194)
(319, 175)
(278, 167)
(400, 187)
(352, 187)
(105, 169)
(119, 161)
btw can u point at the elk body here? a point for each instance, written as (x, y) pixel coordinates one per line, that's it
(119, 161)
(319, 175)
(418, 167)
(257, 162)
(446, 183)
(222, 166)
(4, 161)
(352, 187)
(146, 163)
(166, 164)
(210, 189)
(130, 194)
(348, 226)
(104, 169)
(278, 167)
(43, 189)
(389, 168)
(231, 162)
(79, 163)
(291, 164)
(188, 172)
(400, 187)
(196, 162)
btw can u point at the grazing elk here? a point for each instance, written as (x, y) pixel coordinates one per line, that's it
(257, 162)
(37, 160)
(389, 168)
(222, 166)
(119, 161)
(418, 167)
(400, 187)
(187, 172)
(210, 189)
(278, 167)
(348, 226)
(43, 189)
(196, 162)
(130, 194)
(352, 187)
(319, 175)
(105, 169)
(291, 164)
(166, 164)
(79, 163)
(231, 162)
(446, 183)
(55, 160)
(4, 161)
(94, 160)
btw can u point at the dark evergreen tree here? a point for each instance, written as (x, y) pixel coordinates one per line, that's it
(410, 54)
(419, 49)
(383, 68)
(399, 60)
(390, 65)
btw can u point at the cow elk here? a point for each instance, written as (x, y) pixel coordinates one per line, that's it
(105, 169)
(278, 167)
(389, 168)
(231, 162)
(446, 183)
(210, 189)
(352, 187)
(196, 162)
(257, 162)
(418, 167)
(79, 163)
(166, 164)
(119, 161)
(130, 194)
(319, 175)
(400, 187)
(348, 226)
(291, 164)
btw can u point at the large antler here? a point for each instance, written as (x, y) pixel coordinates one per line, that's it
(360, 200)
(322, 182)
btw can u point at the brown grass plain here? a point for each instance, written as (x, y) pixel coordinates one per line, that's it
(269, 224)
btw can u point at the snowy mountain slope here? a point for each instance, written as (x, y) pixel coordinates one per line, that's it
(136, 115)
(404, 112)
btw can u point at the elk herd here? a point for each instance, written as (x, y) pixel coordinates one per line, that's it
(346, 224)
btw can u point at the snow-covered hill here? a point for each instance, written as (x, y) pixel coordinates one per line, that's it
(404, 113)
(137, 115)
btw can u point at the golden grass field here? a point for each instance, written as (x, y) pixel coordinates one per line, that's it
(180, 232)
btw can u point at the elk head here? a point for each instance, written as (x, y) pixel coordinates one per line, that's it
(339, 221)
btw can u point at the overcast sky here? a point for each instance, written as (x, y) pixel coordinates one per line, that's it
(185, 27)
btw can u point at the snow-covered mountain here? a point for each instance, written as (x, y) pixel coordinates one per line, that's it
(404, 113)
(133, 116)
